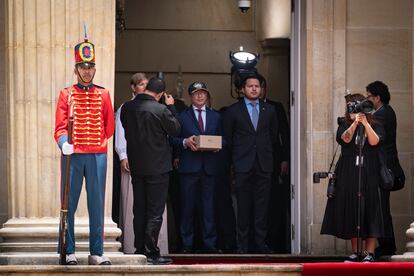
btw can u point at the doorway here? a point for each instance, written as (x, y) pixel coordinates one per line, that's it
(192, 42)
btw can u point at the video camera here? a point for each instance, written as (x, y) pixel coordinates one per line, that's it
(330, 192)
(364, 106)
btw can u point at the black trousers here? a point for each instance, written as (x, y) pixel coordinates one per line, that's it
(278, 233)
(225, 217)
(386, 246)
(252, 193)
(150, 195)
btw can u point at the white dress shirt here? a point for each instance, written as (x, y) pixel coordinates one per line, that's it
(120, 142)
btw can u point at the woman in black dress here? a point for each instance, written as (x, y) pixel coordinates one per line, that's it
(341, 214)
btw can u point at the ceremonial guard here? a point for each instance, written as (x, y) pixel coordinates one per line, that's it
(90, 107)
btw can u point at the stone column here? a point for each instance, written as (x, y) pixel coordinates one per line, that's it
(39, 61)
(408, 256)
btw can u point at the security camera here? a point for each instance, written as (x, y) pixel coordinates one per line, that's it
(244, 5)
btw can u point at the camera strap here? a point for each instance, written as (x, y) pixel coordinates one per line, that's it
(333, 158)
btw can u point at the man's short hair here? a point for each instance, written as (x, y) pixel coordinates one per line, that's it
(85, 65)
(156, 85)
(253, 76)
(378, 88)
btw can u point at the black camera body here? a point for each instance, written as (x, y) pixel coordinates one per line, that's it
(330, 192)
(162, 100)
(318, 175)
(364, 106)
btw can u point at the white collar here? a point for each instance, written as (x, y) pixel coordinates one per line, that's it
(203, 108)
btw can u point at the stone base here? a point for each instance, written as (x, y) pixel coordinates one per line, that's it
(41, 235)
(406, 257)
(36, 259)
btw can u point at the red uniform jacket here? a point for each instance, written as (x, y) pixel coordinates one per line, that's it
(93, 122)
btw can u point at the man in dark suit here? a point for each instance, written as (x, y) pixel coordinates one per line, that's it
(197, 169)
(279, 221)
(250, 128)
(379, 95)
(147, 125)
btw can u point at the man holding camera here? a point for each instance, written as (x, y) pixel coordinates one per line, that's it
(147, 125)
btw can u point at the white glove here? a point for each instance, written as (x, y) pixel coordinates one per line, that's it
(67, 149)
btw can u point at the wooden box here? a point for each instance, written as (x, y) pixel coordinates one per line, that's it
(208, 142)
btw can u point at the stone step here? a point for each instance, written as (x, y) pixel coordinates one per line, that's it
(151, 270)
(53, 258)
(51, 246)
(41, 235)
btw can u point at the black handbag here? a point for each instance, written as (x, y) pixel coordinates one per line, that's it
(387, 176)
(399, 176)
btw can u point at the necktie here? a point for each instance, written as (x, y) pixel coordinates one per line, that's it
(255, 115)
(200, 120)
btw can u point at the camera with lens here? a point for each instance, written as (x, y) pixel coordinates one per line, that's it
(364, 106)
(330, 192)
(160, 75)
(162, 100)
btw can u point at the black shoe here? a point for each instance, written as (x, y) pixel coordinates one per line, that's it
(159, 261)
(369, 258)
(264, 250)
(210, 250)
(365, 257)
(352, 258)
(227, 249)
(139, 252)
(241, 251)
(186, 250)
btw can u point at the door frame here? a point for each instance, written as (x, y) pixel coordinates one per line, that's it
(297, 84)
